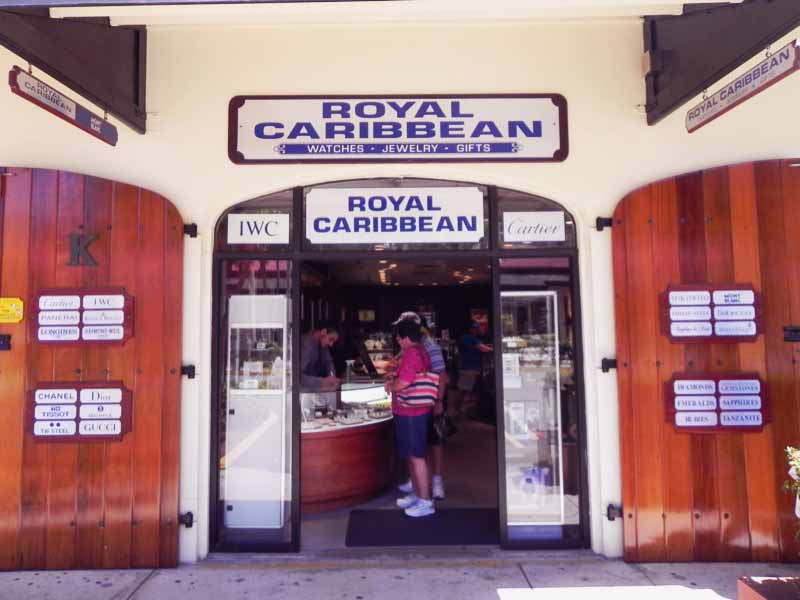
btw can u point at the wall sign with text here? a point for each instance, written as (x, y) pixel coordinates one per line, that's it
(713, 402)
(435, 215)
(499, 127)
(711, 313)
(83, 316)
(85, 411)
(534, 226)
(258, 228)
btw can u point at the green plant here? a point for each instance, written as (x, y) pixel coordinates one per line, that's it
(793, 485)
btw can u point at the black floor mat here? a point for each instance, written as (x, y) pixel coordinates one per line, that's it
(447, 527)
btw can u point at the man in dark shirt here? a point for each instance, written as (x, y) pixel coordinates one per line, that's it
(470, 348)
(317, 372)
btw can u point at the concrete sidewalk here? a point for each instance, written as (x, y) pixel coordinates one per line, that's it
(440, 574)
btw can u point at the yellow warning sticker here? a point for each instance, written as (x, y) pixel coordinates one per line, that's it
(10, 310)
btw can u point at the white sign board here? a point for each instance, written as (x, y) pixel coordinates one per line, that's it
(696, 419)
(394, 215)
(769, 71)
(543, 226)
(258, 228)
(280, 129)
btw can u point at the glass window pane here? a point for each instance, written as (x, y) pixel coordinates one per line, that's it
(526, 221)
(255, 430)
(267, 220)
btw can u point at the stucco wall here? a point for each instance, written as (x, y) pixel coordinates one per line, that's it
(192, 74)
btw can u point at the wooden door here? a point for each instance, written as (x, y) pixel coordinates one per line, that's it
(708, 496)
(91, 505)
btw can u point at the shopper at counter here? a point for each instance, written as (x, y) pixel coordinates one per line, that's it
(414, 393)
(318, 373)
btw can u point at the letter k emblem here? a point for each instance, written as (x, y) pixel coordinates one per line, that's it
(79, 252)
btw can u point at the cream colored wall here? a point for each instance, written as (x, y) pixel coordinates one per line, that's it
(192, 73)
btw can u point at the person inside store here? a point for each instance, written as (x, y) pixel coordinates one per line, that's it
(435, 443)
(318, 373)
(414, 392)
(470, 349)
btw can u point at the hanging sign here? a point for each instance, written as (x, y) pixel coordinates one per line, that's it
(711, 313)
(83, 316)
(766, 73)
(86, 411)
(258, 228)
(714, 402)
(394, 215)
(34, 90)
(512, 127)
(11, 310)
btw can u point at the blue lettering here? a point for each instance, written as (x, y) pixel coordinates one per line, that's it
(355, 202)
(467, 223)
(426, 223)
(431, 206)
(455, 110)
(486, 128)
(445, 224)
(452, 129)
(534, 131)
(414, 203)
(329, 109)
(319, 222)
(420, 129)
(360, 224)
(388, 224)
(407, 224)
(378, 110)
(254, 227)
(396, 202)
(303, 129)
(429, 108)
(341, 224)
(377, 203)
(332, 130)
(401, 109)
(386, 129)
(261, 131)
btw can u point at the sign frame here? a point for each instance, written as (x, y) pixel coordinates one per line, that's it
(238, 158)
(714, 338)
(126, 419)
(670, 411)
(128, 309)
(106, 132)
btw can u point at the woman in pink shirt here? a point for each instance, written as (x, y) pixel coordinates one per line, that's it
(413, 396)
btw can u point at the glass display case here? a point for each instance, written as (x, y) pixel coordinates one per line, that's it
(532, 408)
(353, 404)
(255, 464)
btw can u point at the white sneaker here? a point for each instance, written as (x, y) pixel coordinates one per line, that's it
(422, 508)
(437, 488)
(406, 487)
(407, 501)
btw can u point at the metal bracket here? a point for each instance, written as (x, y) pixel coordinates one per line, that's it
(188, 371)
(613, 512)
(5, 341)
(791, 333)
(190, 229)
(186, 519)
(607, 364)
(603, 222)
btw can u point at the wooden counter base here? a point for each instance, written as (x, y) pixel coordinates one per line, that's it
(344, 467)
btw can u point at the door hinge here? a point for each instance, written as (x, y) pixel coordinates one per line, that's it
(188, 371)
(190, 229)
(186, 519)
(607, 364)
(613, 511)
(603, 222)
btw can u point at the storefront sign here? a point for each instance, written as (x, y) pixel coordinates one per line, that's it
(11, 310)
(766, 73)
(544, 226)
(85, 316)
(259, 228)
(86, 411)
(394, 215)
(32, 89)
(513, 127)
(709, 402)
(706, 313)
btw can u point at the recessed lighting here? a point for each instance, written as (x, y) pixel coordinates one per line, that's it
(383, 262)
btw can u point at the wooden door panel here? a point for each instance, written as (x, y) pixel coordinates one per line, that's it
(90, 505)
(719, 493)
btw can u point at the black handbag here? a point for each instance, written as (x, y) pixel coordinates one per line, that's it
(443, 427)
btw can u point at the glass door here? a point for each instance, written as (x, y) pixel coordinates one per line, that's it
(254, 428)
(540, 473)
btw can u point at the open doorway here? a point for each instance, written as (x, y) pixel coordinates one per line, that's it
(350, 473)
